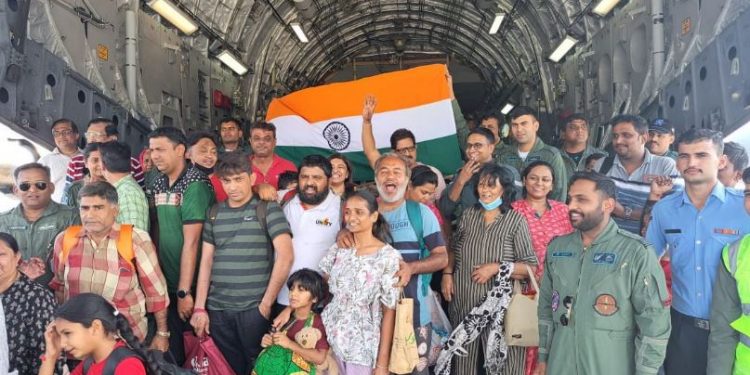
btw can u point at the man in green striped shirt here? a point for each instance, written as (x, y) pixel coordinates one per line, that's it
(238, 264)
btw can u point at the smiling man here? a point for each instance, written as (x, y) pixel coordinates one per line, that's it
(633, 168)
(36, 221)
(602, 297)
(695, 225)
(314, 215)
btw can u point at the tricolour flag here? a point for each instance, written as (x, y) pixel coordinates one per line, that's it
(328, 119)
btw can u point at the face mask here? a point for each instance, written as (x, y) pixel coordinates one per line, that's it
(492, 205)
(203, 169)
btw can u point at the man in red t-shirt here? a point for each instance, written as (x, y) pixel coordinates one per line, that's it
(266, 165)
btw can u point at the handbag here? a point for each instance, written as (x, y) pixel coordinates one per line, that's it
(521, 319)
(404, 356)
(203, 357)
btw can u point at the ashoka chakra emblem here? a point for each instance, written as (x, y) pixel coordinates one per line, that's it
(337, 135)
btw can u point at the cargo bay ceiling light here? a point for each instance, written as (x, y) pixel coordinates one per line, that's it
(508, 107)
(563, 48)
(604, 7)
(499, 17)
(232, 62)
(299, 32)
(174, 15)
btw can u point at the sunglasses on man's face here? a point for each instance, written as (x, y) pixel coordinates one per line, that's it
(40, 185)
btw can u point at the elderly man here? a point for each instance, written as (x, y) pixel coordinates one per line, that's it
(115, 261)
(37, 219)
(422, 248)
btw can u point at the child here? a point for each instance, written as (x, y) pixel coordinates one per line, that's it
(591, 161)
(287, 183)
(91, 329)
(304, 335)
(422, 188)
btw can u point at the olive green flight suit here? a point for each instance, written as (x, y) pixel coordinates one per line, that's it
(618, 321)
(34, 239)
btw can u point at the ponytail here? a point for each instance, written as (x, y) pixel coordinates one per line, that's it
(381, 230)
(87, 307)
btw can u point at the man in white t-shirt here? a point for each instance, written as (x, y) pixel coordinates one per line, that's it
(314, 215)
(65, 133)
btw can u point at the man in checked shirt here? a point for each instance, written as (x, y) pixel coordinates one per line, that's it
(116, 261)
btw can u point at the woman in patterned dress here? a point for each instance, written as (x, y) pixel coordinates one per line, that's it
(360, 318)
(488, 233)
(546, 219)
(28, 308)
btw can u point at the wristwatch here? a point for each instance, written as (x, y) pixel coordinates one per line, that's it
(182, 293)
(628, 212)
(164, 334)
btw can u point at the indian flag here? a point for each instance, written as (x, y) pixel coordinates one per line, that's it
(328, 119)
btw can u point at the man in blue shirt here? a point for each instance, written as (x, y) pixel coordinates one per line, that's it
(694, 225)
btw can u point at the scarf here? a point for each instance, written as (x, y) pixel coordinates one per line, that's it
(488, 313)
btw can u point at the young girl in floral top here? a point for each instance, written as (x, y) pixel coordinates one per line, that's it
(361, 316)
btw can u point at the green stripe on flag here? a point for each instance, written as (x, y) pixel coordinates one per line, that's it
(442, 153)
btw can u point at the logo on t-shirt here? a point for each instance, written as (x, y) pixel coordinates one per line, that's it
(324, 221)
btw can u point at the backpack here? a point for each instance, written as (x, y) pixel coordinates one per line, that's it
(261, 213)
(414, 213)
(124, 243)
(122, 353)
(607, 164)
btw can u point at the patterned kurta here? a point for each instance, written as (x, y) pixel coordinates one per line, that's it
(29, 307)
(554, 222)
(359, 285)
(505, 239)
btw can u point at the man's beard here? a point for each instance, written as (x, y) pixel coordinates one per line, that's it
(314, 199)
(400, 192)
(589, 221)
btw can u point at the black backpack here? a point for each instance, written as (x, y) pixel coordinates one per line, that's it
(122, 353)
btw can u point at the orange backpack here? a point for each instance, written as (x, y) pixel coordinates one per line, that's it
(124, 243)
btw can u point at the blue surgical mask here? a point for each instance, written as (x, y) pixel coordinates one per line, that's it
(492, 205)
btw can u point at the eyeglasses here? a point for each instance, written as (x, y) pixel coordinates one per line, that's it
(568, 304)
(475, 146)
(90, 135)
(40, 185)
(406, 150)
(64, 133)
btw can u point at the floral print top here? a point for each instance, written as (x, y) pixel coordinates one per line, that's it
(359, 285)
(29, 307)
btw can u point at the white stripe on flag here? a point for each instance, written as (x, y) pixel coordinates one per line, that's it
(429, 121)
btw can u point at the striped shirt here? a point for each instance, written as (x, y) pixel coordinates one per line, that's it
(76, 168)
(506, 239)
(240, 271)
(99, 269)
(633, 189)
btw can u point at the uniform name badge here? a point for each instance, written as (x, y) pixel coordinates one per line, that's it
(605, 305)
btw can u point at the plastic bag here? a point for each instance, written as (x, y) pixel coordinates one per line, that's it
(203, 357)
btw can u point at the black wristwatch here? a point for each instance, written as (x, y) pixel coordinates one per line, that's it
(182, 293)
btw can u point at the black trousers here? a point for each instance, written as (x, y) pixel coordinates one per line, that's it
(687, 350)
(176, 329)
(237, 334)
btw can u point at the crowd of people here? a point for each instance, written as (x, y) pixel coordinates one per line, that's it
(639, 251)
